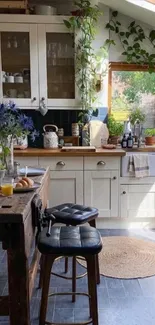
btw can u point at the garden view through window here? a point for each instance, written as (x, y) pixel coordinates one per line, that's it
(131, 90)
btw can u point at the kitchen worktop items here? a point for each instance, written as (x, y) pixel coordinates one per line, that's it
(50, 136)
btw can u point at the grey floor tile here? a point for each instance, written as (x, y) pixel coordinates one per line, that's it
(132, 288)
(148, 286)
(113, 283)
(63, 315)
(103, 298)
(81, 314)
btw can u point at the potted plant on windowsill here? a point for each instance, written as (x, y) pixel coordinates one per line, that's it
(149, 137)
(115, 130)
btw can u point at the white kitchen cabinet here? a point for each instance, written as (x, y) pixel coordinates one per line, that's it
(66, 186)
(56, 66)
(40, 52)
(101, 191)
(137, 201)
(19, 64)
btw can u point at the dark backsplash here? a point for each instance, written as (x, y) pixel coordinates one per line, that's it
(61, 118)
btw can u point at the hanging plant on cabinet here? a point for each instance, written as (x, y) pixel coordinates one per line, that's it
(90, 67)
(132, 40)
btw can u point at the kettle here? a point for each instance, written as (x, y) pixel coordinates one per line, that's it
(50, 137)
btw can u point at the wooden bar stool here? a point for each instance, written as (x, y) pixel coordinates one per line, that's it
(72, 241)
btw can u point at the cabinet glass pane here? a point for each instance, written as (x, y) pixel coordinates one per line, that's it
(15, 56)
(60, 65)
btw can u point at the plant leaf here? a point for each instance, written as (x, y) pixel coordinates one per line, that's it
(114, 13)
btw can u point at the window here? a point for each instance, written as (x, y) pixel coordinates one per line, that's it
(130, 87)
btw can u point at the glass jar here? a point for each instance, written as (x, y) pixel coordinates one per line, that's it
(7, 186)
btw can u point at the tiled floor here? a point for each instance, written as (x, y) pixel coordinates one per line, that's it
(120, 302)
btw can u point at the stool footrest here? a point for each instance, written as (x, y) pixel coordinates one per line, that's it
(69, 294)
(69, 277)
(81, 323)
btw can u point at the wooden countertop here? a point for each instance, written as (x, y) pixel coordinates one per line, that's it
(34, 152)
(14, 209)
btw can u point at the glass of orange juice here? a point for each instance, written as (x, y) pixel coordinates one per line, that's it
(7, 186)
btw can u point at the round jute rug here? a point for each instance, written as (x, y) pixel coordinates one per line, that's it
(126, 257)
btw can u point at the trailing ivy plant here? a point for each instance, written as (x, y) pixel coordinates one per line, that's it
(132, 42)
(82, 25)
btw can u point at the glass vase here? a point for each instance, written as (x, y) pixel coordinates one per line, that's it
(7, 156)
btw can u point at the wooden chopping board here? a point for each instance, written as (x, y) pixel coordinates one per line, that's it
(79, 149)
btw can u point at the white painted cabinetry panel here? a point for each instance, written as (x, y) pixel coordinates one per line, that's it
(24, 161)
(65, 187)
(101, 191)
(101, 163)
(137, 201)
(62, 163)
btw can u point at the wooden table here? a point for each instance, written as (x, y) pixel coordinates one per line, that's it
(17, 233)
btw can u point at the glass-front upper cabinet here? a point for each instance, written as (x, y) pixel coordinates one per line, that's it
(19, 64)
(57, 66)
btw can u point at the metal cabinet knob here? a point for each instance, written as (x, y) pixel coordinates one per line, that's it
(114, 178)
(43, 98)
(101, 163)
(34, 99)
(124, 192)
(60, 163)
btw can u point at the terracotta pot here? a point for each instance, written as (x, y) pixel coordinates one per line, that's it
(114, 140)
(154, 139)
(149, 141)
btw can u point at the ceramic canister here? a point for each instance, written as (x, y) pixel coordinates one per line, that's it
(75, 129)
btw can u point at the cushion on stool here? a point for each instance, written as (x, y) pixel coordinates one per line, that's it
(73, 214)
(70, 241)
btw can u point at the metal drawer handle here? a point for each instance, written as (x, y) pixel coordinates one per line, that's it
(101, 163)
(60, 163)
(124, 192)
(114, 178)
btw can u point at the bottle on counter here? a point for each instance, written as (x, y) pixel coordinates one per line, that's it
(130, 141)
(124, 141)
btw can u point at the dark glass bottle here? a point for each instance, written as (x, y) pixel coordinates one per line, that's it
(130, 141)
(124, 142)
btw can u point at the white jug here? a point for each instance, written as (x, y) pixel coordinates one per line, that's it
(50, 137)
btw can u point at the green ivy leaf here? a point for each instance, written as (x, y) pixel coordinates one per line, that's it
(118, 23)
(127, 34)
(132, 24)
(136, 46)
(67, 24)
(152, 35)
(122, 33)
(152, 56)
(111, 28)
(129, 48)
(117, 30)
(114, 13)
(125, 42)
(124, 53)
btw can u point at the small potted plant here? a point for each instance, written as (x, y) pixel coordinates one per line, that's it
(2, 172)
(115, 130)
(149, 137)
(137, 115)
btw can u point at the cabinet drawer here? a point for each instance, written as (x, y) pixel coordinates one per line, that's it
(24, 161)
(101, 163)
(62, 163)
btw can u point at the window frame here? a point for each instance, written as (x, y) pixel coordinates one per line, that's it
(121, 66)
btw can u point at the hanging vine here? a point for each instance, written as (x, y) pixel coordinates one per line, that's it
(132, 42)
(82, 24)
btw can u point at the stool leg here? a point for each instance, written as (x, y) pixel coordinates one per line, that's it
(93, 224)
(91, 269)
(66, 264)
(73, 277)
(41, 271)
(48, 262)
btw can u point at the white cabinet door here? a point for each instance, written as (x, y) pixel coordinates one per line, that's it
(101, 191)
(137, 201)
(56, 66)
(65, 187)
(19, 64)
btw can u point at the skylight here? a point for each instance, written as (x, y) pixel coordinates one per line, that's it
(146, 4)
